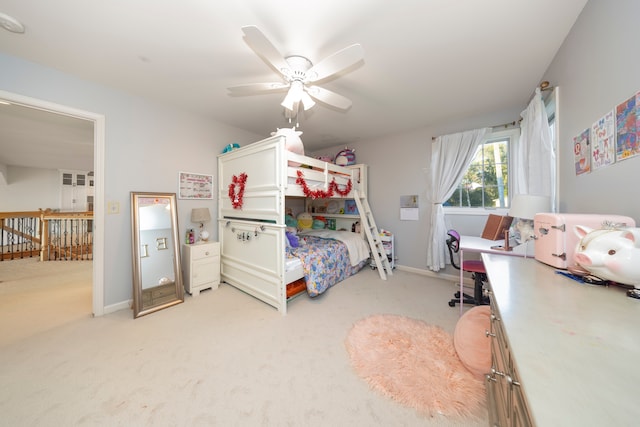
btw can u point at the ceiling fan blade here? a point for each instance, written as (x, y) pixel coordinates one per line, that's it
(265, 49)
(335, 63)
(251, 89)
(328, 97)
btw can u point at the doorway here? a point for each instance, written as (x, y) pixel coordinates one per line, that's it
(98, 121)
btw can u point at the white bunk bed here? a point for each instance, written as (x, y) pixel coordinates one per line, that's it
(252, 233)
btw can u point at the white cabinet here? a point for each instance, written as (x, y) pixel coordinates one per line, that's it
(201, 265)
(76, 190)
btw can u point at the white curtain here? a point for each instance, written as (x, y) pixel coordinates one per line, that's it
(451, 156)
(534, 160)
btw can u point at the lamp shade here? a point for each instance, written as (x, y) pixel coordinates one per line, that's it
(200, 215)
(527, 206)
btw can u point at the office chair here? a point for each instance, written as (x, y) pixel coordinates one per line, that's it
(475, 267)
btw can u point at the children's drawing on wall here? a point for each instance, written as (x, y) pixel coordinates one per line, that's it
(582, 153)
(627, 128)
(603, 149)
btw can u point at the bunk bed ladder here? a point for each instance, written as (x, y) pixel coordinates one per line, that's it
(373, 236)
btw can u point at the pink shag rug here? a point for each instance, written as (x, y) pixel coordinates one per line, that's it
(415, 364)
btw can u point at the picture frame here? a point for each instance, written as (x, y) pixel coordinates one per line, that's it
(195, 186)
(350, 207)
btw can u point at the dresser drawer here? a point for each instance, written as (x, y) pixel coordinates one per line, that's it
(204, 251)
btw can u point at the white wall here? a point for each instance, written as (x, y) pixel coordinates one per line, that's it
(596, 68)
(146, 145)
(30, 189)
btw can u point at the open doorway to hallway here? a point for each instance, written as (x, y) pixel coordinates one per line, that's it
(58, 142)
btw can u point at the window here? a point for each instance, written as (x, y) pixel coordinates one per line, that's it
(485, 185)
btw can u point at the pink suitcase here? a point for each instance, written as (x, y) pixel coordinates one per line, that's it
(556, 240)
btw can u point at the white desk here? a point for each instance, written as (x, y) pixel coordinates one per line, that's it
(480, 245)
(575, 346)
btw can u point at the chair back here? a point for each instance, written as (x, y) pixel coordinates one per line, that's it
(453, 243)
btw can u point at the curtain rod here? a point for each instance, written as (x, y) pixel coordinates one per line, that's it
(543, 86)
(504, 125)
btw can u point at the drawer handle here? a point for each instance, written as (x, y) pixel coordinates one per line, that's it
(494, 317)
(206, 253)
(512, 381)
(488, 334)
(562, 256)
(502, 374)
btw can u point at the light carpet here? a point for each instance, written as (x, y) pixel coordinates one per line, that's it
(220, 359)
(415, 364)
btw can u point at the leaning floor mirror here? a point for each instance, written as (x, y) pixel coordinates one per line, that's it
(157, 277)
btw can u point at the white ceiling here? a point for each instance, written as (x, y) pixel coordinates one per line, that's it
(426, 61)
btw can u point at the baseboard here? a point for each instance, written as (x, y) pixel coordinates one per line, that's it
(435, 274)
(123, 305)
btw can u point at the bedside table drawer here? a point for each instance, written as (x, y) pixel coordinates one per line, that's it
(205, 271)
(204, 251)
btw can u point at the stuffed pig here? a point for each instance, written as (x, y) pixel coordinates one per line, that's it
(612, 254)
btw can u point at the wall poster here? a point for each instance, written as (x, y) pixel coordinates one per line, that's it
(603, 148)
(582, 153)
(627, 128)
(195, 186)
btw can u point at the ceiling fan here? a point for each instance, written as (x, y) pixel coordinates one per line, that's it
(299, 76)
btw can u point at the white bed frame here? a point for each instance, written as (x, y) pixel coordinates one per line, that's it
(252, 239)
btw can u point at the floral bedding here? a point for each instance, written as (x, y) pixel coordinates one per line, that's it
(325, 263)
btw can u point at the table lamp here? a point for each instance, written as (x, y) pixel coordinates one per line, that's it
(201, 215)
(524, 208)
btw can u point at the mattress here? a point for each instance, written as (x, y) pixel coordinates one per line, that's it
(325, 263)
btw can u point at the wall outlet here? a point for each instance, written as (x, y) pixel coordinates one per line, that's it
(113, 208)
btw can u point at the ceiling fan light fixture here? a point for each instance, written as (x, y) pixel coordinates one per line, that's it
(307, 102)
(11, 24)
(299, 74)
(294, 95)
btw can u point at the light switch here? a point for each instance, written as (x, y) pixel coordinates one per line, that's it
(113, 208)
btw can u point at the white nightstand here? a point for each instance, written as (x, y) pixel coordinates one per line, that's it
(201, 264)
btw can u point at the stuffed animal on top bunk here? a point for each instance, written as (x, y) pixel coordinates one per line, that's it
(292, 141)
(346, 157)
(231, 147)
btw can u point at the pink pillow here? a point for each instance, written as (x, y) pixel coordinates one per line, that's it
(470, 341)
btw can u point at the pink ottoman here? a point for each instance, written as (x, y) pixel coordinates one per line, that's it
(471, 342)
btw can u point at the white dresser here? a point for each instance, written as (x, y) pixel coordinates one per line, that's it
(201, 266)
(565, 353)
